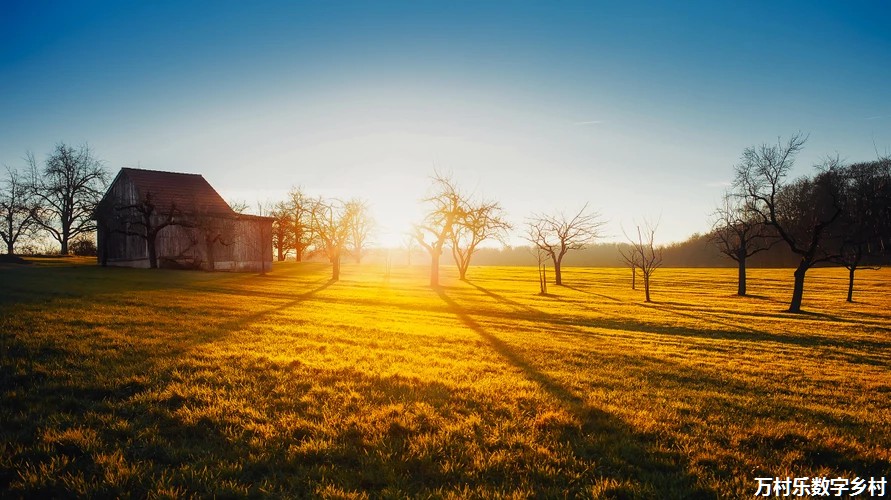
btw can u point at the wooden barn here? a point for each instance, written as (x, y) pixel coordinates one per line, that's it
(149, 218)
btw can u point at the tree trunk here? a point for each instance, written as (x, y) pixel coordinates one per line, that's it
(558, 275)
(152, 252)
(281, 254)
(66, 236)
(646, 288)
(741, 287)
(798, 291)
(335, 269)
(462, 269)
(211, 260)
(9, 245)
(633, 278)
(434, 269)
(851, 283)
(542, 279)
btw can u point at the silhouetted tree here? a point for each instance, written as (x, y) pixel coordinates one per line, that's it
(739, 233)
(361, 228)
(801, 213)
(445, 207)
(409, 244)
(211, 231)
(630, 258)
(145, 220)
(541, 259)
(302, 207)
(332, 222)
(645, 253)
(558, 234)
(18, 209)
(477, 222)
(68, 188)
(282, 229)
(863, 228)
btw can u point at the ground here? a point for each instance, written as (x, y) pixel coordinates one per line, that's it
(160, 383)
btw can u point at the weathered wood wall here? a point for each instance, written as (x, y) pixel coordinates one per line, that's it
(225, 243)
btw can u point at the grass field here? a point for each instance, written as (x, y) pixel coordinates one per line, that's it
(120, 382)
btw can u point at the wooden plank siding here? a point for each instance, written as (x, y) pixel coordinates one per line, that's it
(222, 240)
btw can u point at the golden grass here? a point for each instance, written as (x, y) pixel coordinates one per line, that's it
(167, 383)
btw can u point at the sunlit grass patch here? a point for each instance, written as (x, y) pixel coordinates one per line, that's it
(171, 383)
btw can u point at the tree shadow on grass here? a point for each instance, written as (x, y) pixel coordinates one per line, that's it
(505, 300)
(620, 453)
(591, 293)
(799, 316)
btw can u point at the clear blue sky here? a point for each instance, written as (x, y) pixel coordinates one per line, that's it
(640, 108)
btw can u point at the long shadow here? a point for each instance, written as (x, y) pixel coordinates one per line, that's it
(619, 452)
(239, 322)
(803, 315)
(703, 317)
(505, 300)
(630, 325)
(591, 293)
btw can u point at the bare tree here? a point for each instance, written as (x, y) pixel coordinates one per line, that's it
(212, 231)
(302, 206)
(145, 220)
(409, 244)
(477, 222)
(361, 228)
(541, 258)
(645, 253)
(282, 229)
(739, 233)
(238, 206)
(630, 258)
(18, 209)
(558, 234)
(445, 205)
(68, 187)
(332, 221)
(863, 227)
(801, 213)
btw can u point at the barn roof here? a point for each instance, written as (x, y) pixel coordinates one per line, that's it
(188, 192)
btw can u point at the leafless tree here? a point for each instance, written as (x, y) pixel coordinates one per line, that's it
(282, 229)
(145, 220)
(645, 253)
(801, 213)
(541, 258)
(445, 205)
(409, 244)
(302, 206)
(863, 229)
(630, 257)
(211, 232)
(332, 222)
(238, 206)
(477, 222)
(558, 234)
(361, 228)
(68, 188)
(18, 209)
(262, 252)
(739, 233)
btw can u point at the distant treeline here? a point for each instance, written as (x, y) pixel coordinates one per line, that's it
(697, 251)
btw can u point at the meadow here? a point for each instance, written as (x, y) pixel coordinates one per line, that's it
(163, 384)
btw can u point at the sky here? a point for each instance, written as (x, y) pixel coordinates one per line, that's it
(638, 109)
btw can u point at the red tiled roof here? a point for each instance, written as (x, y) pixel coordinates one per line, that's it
(190, 193)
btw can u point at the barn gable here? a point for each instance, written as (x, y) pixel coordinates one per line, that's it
(175, 219)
